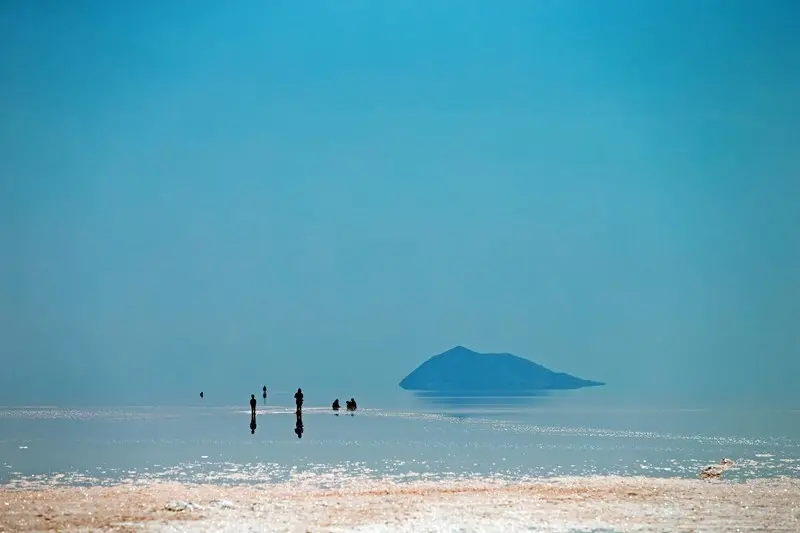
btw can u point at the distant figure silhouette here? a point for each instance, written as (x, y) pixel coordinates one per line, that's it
(298, 399)
(265, 394)
(253, 424)
(201, 394)
(298, 426)
(253, 403)
(335, 405)
(351, 404)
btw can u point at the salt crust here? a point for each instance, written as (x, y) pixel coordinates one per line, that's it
(606, 503)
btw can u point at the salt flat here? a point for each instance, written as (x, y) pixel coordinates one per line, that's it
(609, 503)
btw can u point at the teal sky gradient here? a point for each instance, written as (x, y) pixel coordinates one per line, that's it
(200, 195)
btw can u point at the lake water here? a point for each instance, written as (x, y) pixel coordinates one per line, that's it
(446, 440)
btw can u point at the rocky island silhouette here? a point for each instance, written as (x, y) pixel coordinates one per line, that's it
(461, 371)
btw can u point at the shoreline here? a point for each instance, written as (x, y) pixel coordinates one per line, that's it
(550, 504)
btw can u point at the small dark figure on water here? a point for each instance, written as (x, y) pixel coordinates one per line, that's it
(264, 395)
(201, 394)
(253, 424)
(335, 405)
(298, 399)
(351, 404)
(298, 426)
(253, 403)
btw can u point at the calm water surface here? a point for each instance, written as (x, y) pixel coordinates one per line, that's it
(445, 439)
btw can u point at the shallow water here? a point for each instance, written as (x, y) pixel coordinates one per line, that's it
(214, 444)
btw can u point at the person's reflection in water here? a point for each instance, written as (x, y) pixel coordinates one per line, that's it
(253, 424)
(298, 426)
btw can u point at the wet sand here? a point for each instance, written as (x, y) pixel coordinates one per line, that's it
(560, 504)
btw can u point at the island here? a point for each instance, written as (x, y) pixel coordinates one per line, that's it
(463, 371)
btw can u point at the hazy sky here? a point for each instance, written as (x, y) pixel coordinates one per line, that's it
(200, 195)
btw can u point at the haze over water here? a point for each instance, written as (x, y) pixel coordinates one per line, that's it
(198, 196)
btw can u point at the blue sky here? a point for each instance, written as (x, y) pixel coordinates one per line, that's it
(205, 195)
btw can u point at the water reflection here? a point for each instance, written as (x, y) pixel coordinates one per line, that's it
(476, 403)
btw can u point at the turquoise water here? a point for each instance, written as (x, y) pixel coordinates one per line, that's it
(425, 441)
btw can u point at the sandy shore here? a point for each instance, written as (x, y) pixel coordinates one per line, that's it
(563, 504)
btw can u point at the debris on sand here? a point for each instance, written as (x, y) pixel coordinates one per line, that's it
(716, 471)
(223, 504)
(180, 505)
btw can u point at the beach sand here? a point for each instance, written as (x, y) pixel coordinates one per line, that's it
(559, 504)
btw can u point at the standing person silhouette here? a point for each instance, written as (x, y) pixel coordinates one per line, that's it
(351, 404)
(265, 394)
(298, 399)
(253, 403)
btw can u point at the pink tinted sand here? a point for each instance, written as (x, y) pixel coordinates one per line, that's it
(612, 503)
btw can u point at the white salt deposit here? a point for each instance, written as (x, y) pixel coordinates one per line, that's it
(612, 503)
